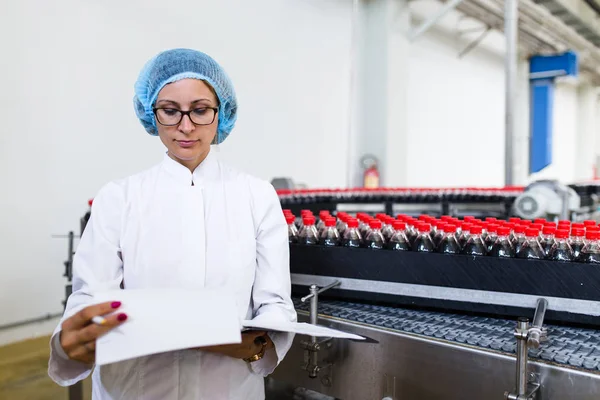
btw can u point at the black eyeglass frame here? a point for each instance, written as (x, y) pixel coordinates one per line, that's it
(183, 113)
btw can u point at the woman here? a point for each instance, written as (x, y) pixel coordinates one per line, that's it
(190, 222)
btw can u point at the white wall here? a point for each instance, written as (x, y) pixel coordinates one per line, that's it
(68, 125)
(456, 107)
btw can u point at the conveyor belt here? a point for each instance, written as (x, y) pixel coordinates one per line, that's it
(576, 347)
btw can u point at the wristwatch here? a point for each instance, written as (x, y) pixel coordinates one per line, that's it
(261, 353)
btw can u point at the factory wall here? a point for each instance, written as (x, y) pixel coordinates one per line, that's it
(68, 124)
(456, 111)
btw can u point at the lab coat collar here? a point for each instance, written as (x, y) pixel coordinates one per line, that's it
(208, 169)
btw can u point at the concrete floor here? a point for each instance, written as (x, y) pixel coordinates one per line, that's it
(24, 373)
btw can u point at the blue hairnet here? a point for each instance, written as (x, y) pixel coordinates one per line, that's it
(173, 65)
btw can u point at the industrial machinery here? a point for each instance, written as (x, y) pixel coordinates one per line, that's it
(442, 338)
(444, 326)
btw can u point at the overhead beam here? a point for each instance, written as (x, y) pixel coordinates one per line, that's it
(428, 23)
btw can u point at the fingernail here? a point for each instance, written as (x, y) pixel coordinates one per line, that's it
(122, 317)
(115, 304)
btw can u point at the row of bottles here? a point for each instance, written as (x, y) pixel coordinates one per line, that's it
(539, 239)
(399, 195)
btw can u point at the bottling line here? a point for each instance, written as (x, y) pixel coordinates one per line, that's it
(448, 327)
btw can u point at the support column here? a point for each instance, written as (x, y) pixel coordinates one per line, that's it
(522, 125)
(587, 132)
(380, 90)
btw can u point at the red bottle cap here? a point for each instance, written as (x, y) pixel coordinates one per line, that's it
(592, 228)
(539, 227)
(520, 228)
(424, 227)
(330, 222)
(290, 219)
(90, 201)
(446, 218)
(564, 222)
(562, 234)
(531, 232)
(592, 235)
(503, 231)
(540, 221)
(589, 222)
(491, 219)
(424, 217)
(549, 230)
(399, 226)
(514, 220)
(308, 220)
(401, 217)
(451, 228)
(306, 212)
(352, 223)
(468, 218)
(476, 230)
(577, 225)
(466, 226)
(324, 214)
(577, 231)
(375, 224)
(493, 228)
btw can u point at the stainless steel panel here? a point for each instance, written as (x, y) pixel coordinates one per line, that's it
(403, 366)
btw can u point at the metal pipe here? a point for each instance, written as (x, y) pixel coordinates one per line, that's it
(535, 332)
(511, 21)
(522, 356)
(428, 23)
(314, 317)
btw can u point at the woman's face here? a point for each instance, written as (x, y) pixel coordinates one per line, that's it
(187, 142)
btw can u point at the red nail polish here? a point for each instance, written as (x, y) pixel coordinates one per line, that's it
(122, 317)
(115, 304)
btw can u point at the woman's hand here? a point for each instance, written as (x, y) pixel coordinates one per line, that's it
(79, 333)
(252, 343)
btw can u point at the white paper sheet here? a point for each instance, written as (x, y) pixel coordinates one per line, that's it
(161, 320)
(301, 328)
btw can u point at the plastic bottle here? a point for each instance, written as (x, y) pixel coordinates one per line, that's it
(519, 237)
(323, 214)
(591, 251)
(492, 236)
(439, 233)
(292, 230)
(399, 240)
(449, 244)
(465, 234)
(423, 242)
(387, 229)
(352, 237)
(342, 222)
(475, 245)
(531, 249)
(330, 235)
(308, 235)
(412, 232)
(375, 239)
(547, 238)
(577, 241)
(502, 247)
(561, 250)
(365, 227)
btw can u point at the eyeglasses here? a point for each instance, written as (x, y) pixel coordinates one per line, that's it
(173, 116)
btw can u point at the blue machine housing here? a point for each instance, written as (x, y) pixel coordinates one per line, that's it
(542, 72)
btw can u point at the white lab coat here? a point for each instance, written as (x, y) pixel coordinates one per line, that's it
(157, 230)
